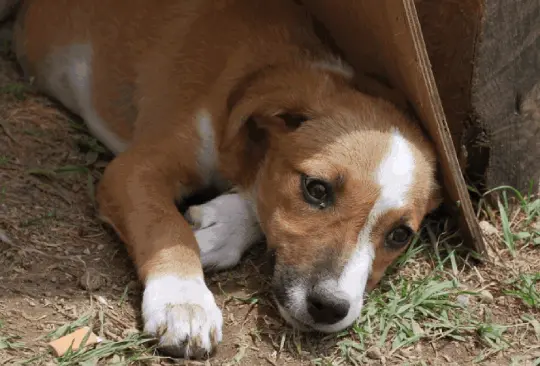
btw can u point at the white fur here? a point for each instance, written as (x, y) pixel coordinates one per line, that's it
(207, 155)
(183, 314)
(69, 79)
(394, 176)
(225, 228)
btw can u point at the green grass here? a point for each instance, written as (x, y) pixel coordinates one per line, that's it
(16, 90)
(34, 132)
(8, 341)
(58, 172)
(514, 232)
(124, 352)
(525, 288)
(39, 220)
(67, 170)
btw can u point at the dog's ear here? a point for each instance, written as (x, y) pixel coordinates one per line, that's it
(272, 114)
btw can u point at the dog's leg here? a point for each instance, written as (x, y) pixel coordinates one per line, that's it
(136, 196)
(225, 228)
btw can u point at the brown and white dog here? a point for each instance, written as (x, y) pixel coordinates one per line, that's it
(242, 93)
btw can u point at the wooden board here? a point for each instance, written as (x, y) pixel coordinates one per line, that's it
(486, 61)
(506, 68)
(450, 29)
(384, 37)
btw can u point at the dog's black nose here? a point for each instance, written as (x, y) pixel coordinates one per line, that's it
(325, 307)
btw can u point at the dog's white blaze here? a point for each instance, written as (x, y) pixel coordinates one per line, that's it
(395, 177)
(69, 79)
(175, 308)
(207, 156)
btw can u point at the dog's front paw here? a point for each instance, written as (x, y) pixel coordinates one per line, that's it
(183, 315)
(225, 228)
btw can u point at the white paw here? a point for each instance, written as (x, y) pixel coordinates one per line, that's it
(225, 228)
(183, 315)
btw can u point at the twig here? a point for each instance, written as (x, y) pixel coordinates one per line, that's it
(8, 133)
(5, 239)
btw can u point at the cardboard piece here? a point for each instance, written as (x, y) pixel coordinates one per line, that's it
(384, 38)
(73, 341)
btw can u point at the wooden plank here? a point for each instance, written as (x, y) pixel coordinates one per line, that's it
(506, 68)
(450, 29)
(384, 37)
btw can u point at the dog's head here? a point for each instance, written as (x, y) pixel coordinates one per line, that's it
(342, 188)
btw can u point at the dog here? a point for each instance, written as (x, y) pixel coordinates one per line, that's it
(233, 93)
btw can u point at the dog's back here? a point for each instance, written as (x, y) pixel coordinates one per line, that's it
(137, 48)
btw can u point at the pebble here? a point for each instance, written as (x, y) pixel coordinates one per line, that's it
(90, 281)
(374, 353)
(101, 300)
(486, 296)
(405, 353)
(463, 300)
(488, 229)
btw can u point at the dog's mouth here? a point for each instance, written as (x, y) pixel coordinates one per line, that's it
(292, 320)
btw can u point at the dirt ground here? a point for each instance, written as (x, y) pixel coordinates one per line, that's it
(61, 268)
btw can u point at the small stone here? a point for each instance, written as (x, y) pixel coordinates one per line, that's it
(101, 300)
(463, 300)
(374, 353)
(486, 296)
(488, 229)
(90, 280)
(405, 353)
(86, 251)
(100, 247)
(54, 279)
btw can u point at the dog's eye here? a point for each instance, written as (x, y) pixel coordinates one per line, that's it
(316, 191)
(399, 237)
(293, 120)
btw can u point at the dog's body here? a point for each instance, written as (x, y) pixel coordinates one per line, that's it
(233, 93)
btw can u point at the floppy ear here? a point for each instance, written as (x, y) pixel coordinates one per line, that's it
(275, 114)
